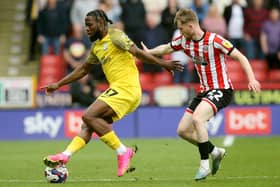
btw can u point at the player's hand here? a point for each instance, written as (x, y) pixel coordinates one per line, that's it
(171, 65)
(145, 48)
(254, 86)
(50, 88)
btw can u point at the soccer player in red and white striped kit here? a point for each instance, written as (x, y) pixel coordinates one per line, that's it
(207, 51)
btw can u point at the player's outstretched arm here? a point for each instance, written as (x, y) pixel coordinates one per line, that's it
(169, 65)
(76, 74)
(159, 50)
(253, 84)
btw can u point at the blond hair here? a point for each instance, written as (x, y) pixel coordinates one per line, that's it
(185, 15)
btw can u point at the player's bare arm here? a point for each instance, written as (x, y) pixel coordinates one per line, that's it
(170, 65)
(159, 50)
(78, 73)
(253, 84)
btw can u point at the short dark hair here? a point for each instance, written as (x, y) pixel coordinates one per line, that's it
(99, 14)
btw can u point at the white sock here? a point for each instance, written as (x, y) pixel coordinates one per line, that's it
(204, 164)
(215, 152)
(67, 153)
(121, 150)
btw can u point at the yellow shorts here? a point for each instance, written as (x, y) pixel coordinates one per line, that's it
(122, 99)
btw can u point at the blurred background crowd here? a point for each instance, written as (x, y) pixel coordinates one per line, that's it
(56, 31)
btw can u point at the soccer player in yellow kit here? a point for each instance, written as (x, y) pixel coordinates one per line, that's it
(115, 51)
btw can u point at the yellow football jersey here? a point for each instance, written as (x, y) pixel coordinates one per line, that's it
(117, 63)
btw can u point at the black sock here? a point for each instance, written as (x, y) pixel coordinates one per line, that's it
(203, 150)
(210, 147)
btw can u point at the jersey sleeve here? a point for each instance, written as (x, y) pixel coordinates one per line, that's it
(91, 57)
(176, 43)
(223, 44)
(120, 39)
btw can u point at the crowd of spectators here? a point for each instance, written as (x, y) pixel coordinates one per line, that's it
(57, 26)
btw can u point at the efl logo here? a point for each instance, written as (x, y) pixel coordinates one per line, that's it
(253, 121)
(73, 122)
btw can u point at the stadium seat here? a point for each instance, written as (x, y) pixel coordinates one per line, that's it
(146, 77)
(52, 68)
(146, 80)
(260, 74)
(101, 86)
(46, 80)
(258, 65)
(139, 64)
(163, 78)
(52, 65)
(233, 65)
(274, 75)
(237, 76)
(51, 60)
(260, 69)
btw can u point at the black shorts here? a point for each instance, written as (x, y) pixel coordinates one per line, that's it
(217, 98)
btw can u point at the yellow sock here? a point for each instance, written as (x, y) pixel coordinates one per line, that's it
(76, 144)
(111, 140)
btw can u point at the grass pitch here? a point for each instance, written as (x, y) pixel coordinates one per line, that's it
(250, 162)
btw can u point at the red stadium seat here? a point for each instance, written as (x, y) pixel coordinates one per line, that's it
(233, 65)
(261, 74)
(49, 79)
(237, 76)
(51, 60)
(258, 64)
(52, 68)
(139, 64)
(146, 80)
(101, 86)
(146, 77)
(164, 78)
(260, 69)
(274, 75)
(64, 88)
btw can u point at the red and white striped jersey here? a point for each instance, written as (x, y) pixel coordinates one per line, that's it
(208, 55)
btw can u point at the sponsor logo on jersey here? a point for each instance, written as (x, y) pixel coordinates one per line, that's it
(105, 46)
(227, 44)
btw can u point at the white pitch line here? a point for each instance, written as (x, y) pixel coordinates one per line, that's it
(142, 179)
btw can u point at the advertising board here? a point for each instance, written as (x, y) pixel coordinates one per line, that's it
(17, 92)
(145, 122)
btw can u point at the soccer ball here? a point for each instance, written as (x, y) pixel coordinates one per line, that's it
(58, 174)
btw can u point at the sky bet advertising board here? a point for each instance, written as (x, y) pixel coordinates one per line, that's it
(143, 123)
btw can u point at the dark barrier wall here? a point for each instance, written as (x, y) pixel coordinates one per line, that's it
(149, 122)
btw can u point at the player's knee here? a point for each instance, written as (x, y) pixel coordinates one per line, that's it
(196, 120)
(87, 128)
(181, 132)
(184, 132)
(87, 119)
